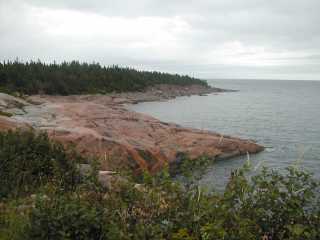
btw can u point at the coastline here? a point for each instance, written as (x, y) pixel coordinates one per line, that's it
(101, 125)
(164, 92)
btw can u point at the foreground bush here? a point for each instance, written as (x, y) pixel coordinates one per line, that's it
(29, 160)
(280, 205)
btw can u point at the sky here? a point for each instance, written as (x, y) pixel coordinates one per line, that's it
(256, 39)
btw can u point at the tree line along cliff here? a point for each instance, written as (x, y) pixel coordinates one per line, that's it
(81, 78)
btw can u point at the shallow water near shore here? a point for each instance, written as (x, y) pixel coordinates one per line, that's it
(284, 116)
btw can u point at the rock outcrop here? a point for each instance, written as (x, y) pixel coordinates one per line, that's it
(100, 125)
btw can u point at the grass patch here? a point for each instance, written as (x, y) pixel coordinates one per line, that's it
(6, 114)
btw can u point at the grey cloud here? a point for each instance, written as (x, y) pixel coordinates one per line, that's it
(278, 26)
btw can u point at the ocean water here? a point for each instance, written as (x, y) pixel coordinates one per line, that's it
(284, 116)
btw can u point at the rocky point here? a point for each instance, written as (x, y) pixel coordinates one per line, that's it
(101, 126)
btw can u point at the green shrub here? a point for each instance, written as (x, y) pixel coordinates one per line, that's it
(283, 205)
(65, 218)
(29, 160)
(187, 167)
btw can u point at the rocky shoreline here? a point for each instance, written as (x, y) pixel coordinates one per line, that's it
(164, 92)
(101, 125)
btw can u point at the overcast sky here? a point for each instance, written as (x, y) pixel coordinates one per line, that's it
(267, 39)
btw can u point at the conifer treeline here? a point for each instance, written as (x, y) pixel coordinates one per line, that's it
(79, 78)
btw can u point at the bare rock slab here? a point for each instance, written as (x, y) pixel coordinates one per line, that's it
(100, 125)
